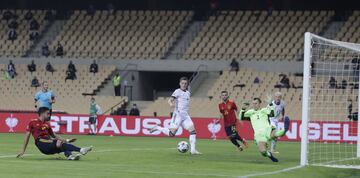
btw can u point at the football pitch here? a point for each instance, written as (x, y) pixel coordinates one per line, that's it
(157, 157)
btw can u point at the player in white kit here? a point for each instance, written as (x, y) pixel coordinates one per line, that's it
(279, 105)
(180, 101)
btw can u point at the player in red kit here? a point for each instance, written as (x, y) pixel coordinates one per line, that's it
(46, 141)
(228, 111)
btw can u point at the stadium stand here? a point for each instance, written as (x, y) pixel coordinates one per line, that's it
(127, 34)
(19, 46)
(149, 35)
(19, 94)
(325, 96)
(256, 35)
(350, 31)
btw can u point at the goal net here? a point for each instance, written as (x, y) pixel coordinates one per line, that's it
(330, 103)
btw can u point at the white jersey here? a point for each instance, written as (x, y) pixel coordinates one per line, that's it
(279, 108)
(182, 100)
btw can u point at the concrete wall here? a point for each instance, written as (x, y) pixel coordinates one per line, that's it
(170, 65)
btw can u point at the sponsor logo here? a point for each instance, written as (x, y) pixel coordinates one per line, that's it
(11, 122)
(205, 127)
(214, 128)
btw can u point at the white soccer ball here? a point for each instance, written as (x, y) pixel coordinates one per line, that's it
(183, 147)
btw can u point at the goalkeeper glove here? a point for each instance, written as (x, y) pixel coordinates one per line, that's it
(268, 99)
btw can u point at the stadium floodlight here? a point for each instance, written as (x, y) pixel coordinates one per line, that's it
(329, 134)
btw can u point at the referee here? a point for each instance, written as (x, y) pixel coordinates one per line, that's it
(45, 97)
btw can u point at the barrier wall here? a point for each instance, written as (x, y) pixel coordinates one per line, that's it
(206, 127)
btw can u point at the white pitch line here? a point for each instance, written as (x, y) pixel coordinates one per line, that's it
(110, 171)
(133, 149)
(273, 172)
(101, 151)
(334, 161)
(178, 173)
(9, 156)
(143, 172)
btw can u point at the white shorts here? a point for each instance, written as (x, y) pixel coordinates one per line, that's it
(274, 123)
(181, 119)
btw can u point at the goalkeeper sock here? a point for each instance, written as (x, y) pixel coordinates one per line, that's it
(70, 147)
(280, 133)
(273, 145)
(269, 155)
(273, 159)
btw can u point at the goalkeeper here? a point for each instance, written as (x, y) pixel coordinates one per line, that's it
(263, 132)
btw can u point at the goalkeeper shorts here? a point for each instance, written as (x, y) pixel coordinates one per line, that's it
(263, 135)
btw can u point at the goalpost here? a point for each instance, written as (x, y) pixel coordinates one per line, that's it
(329, 132)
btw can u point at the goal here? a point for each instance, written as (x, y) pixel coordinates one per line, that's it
(330, 103)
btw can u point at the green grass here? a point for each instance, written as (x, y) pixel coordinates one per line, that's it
(155, 157)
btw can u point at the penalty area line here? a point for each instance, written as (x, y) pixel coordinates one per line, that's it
(272, 172)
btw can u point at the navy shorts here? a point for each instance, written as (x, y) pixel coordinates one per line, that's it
(231, 130)
(92, 119)
(47, 146)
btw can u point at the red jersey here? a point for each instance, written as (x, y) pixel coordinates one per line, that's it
(228, 110)
(40, 129)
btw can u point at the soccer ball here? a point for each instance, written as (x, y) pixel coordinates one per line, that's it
(183, 147)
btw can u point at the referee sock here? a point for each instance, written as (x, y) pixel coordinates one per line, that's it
(70, 147)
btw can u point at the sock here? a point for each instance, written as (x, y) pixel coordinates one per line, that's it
(192, 140)
(234, 141)
(266, 154)
(67, 153)
(269, 155)
(164, 130)
(90, 130)
(273, 145)
(93, 127)
(70, 147)
(280, 133)
(239, 138)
